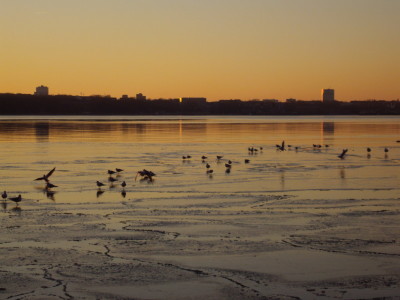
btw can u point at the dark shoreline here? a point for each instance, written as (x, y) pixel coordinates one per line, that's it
(20, 104)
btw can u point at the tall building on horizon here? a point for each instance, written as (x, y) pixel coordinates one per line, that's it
(328, 95)
(42, 91)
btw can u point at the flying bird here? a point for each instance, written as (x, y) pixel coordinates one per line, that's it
(46, 176)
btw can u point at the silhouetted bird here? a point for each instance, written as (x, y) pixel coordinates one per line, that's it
(219, 157)
(50, 185)
(204, 157)
(281, 147)
(4, 195)
(386, 150)
(146, 175)
(368, 149)
(99, 184)
(229, 162)
(246, 161)
(99, 193)
(343, 153)
(16, 199)
(112, 179)
(123, 184)
(123, 194)
(228, 166)
(208, 166)
(46, 176)
(111, 172)
(228, 170)
(209, 171)
(118, 170)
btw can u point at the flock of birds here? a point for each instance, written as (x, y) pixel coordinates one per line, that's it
(147, 175)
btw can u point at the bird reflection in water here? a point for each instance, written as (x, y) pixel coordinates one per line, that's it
(99, 193)
(17, 210)
(342, 173)
(123, 194)
(4, 205)
(283, 179)
(50, 195)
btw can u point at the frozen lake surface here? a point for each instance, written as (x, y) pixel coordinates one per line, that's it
(295, 223)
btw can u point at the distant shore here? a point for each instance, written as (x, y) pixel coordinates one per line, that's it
(22, 104)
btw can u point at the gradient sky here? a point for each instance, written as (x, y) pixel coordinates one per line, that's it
(219, 49)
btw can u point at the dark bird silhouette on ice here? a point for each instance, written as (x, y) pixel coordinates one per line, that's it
(45, 177)
(343, 153)
(281, 147)
(145, 174)
(99, 184)
(50, 185)
(111, 172)
(16, 199)
(112, 179)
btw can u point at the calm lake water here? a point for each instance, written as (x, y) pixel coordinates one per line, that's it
(84, 148)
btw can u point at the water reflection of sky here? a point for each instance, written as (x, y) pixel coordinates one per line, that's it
(83, 150)
(209, 130)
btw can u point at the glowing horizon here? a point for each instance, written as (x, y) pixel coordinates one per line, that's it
(227, 49)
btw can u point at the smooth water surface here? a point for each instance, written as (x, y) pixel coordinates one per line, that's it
(83, 149)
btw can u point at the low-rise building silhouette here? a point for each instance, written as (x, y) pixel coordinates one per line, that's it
(42, 91)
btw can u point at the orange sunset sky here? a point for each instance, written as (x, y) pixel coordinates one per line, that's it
(219, 49)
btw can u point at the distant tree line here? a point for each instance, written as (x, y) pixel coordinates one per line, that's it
(22, 104)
